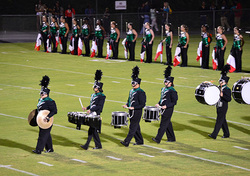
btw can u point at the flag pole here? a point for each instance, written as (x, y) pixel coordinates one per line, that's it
(162, 32)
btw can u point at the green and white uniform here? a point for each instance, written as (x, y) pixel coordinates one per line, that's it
(98, 31)
(148, 35)
(113, 34)
(237, 42)
(85, 30)
(62, 29)
(44, 27)
(168, 38)
(183, 39)
(53, 28)
(219, 41)
(74, 30)
(204, 38)
(130, 36)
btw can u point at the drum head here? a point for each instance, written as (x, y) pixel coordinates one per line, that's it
(245, 93)
(212, 95)
(40, 119)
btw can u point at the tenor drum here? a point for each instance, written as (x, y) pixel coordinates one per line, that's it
(241, 91)
(151, 113)
(207, 93)
(94, 121)
(119, 119)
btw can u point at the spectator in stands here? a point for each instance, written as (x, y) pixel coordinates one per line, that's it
(237, 13)
(166, 11)
(106, 21)
(153, 14)
(69, 13)
(224, 13)
(213, 6)
(89, 11)
(57, 10)
(146, 10)
(203, 16)
(39, 8)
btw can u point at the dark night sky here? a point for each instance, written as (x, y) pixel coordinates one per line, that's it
(28, 6)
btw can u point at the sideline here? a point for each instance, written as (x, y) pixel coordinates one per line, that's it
(9, 167)
(165, 151)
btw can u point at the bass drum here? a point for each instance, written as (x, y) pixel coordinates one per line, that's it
(241, 91)
(207, 93)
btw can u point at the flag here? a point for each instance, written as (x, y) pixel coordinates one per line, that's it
(38, 42)
(159, 51)
(79, 46)
(60, 41)
(214, 60)
(143, 50)
(231, 61)
(93, 48)
(57, 41)
(177, 57)
(71, 45)
(109, 50)
(199, 53)
(48, 42)
(125, 45)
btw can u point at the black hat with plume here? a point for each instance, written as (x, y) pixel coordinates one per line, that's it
(98, 77)
(44, 83)
(167, 74)
(224, 72)
(135, 74)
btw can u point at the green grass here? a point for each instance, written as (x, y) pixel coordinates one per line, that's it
(22, 68)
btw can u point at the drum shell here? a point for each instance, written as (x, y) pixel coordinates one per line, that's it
(92, 121)
(151, 113)
(237, 90)
(119, 119)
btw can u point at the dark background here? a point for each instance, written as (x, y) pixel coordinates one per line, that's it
(28, 6)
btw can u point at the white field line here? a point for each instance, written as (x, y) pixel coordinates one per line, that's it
(209, 150)
(73, 72)
(70, 85)
(81, 161)
(163, 150)
(241, 148)
(143, 154)
(4, 53)
(115, 82)
(114, 158)
(46, 164)
(121, 102)
(9, 167)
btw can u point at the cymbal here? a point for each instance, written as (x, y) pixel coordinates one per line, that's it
(32, 118)
(40, 119)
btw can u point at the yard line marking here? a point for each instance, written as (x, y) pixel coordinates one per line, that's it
(209, 150)
(1, 89)
(169, 151)
(121, 102)
(9, 167)
(46, 164)
(70, 85)
(4, 53)
(182, 77)
(146, 155)
(115, 82)
(204, 76)
(241, 148)
(81, 161)
(90, 83)
(157, 148)
(23, 51)
(112, 157)
(73, 72)
(160, 79)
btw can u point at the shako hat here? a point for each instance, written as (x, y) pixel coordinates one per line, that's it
(135, 73)
(98, 77)
(167, 74)
(44, 85)
(224, 72)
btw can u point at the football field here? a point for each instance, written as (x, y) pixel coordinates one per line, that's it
(193, 153)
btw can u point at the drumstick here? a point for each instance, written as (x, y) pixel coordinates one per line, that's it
(80, 102)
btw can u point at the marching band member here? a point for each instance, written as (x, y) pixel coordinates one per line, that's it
(63, 34)
(99, 36)
(135, 104)
(149, 42)
(95, 107)
(222, 105)
(221, 43)
(45, 103)
(53, 30)
(75, 35)
(114, 39)
(44, 32)
(131, 39)
(237, 48)
(85, 35)
(183, 42)
(169, 43)
(167, 102)
(206, 39)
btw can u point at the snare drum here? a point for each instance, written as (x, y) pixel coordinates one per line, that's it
(207, 93)
(92, 121)
(241, 91)
(76, 118)
(151, 113)
(119, 119)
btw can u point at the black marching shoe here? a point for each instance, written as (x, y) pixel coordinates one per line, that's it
(84, 147)
(126, 144)
(97, 148)
(155, 141)
(36, 151)
(137, 143)
(211, 136)
(49, 151)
